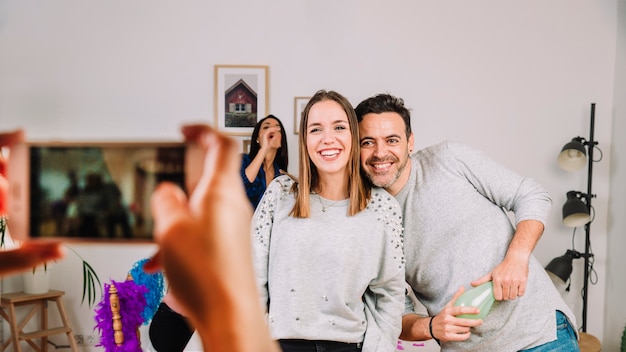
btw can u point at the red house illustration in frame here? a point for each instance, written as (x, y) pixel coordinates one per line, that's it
(241, 105)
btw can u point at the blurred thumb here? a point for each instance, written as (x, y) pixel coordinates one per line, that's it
(168, 203)
(154, 264)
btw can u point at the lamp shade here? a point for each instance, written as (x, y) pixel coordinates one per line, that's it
(575, 211)
(573, 156)
(561, 267)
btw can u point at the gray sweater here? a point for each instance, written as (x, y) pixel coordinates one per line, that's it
(457, 230)
(330, 276)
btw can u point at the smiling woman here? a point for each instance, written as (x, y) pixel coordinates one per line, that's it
(329, 142)
(329, 219)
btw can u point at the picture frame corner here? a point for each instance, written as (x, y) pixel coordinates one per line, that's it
(240, 90)
(299, 102)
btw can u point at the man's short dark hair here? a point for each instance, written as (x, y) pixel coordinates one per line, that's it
(385, 103)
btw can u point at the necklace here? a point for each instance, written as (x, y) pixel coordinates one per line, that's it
(325, 206)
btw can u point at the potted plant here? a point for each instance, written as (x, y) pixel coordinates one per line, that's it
(36, 281)
(90, 277)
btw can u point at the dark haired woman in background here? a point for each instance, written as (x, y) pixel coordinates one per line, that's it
(267, 159)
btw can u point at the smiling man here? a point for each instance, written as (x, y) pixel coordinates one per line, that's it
(457, 234)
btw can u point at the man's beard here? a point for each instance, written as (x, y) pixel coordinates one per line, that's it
(377, 178)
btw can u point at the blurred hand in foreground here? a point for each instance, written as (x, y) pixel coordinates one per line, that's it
(204, 250)
(29, 254)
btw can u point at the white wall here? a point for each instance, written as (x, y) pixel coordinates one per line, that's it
(615, 310)
(515, 79)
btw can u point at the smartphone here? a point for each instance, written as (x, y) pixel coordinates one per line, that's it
(93, 191)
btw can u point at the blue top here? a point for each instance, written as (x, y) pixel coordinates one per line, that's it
(255, 189)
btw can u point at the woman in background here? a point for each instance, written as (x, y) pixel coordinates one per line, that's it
(268, 157)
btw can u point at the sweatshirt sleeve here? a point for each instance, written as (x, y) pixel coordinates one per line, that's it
(384, 299)
(523, 196)
(261, 231)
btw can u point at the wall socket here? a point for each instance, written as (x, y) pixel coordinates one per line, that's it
(80, 339)
(89, 340)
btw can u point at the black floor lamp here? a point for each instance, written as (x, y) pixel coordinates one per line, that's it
(577, 208)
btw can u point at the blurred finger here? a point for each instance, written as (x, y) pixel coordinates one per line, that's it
(4, 194)
(194, 132)
(222, 156)
(10, 138)
(3, 164)
(28, 256)
(168, 203)
(154, 264)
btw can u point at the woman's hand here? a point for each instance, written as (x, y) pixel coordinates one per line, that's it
(28, 256)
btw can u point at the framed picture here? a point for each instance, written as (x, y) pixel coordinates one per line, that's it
(299, 103)
(241, 98)
(244, 142)
(246, 145)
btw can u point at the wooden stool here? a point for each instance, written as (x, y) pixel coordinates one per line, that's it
(589, 343)
(11, 300)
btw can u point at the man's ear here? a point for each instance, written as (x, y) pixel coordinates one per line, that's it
(411, 143)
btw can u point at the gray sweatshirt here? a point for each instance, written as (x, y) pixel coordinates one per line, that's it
(330, 276)
(457, 230)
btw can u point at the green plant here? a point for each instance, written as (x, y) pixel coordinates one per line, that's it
(3, 229)
(45, 268)
(623, 346)
(90, 277)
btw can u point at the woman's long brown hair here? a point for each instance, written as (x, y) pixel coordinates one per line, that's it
(358, 191)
